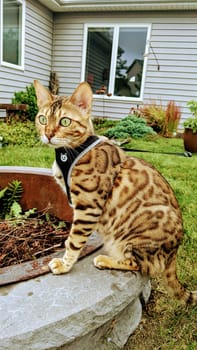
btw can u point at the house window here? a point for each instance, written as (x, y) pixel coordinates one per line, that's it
(115, 59)
(12, 33)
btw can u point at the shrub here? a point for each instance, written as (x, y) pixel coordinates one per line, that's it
(163, 120)
(27, 97)
(19, 133)
(154, 114)
(101, 124)
(130, 126)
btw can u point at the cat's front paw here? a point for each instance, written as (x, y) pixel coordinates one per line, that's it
(58, 266)
(101, 262)
(107, 262)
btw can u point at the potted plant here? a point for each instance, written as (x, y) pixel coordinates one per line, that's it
(190, 132)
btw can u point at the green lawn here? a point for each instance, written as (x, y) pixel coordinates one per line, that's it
(171, 325)
(38, 156)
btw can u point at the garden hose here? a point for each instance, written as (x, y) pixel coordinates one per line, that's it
(184, 154)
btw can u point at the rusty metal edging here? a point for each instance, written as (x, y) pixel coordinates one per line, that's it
(38, 267)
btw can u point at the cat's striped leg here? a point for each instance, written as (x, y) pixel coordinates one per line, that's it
(63, 265)
(80, 231)
(107, 262)
(74, 245)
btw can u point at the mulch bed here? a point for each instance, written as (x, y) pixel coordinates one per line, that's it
(29, 239)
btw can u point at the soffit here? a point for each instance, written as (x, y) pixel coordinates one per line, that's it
(129, 5)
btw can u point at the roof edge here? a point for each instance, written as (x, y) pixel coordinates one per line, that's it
(129, 5)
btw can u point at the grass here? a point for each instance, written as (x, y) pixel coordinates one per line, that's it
(38, 156)
(166, 324)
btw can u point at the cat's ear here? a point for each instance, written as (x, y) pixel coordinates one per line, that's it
(82, 97)
(43, 94)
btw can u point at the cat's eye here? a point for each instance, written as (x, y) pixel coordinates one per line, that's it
(43, 119)
(65, 121)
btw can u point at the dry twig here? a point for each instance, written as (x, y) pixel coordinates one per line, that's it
(30, 238)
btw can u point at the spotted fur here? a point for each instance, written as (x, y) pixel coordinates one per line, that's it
(124, 199)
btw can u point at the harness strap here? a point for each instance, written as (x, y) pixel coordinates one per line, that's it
(66, 159)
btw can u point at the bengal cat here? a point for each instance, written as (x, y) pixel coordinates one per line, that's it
(123, 198)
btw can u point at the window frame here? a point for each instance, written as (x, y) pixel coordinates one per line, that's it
(8, 64)
(116, 28)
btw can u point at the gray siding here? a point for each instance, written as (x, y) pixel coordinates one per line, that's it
(173, 38)
(38, 52)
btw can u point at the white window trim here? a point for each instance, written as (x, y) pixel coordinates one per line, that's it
(114, 49)
(7, 64)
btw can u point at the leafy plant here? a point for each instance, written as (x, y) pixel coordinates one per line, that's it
(191, 122)
(130, 126)
(193, 107)
(9, 200)
(27, 97)
(10, 197)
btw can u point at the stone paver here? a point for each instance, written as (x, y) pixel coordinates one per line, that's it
(84, 309)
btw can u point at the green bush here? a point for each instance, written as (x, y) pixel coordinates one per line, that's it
(19, 133)
(131, 126)
(103, 123)
(27, 97)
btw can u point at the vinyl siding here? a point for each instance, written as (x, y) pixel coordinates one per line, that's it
(55, 41)
(67, 52)
(38, 52)
(174, 41)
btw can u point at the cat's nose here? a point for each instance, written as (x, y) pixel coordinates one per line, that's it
(49, 134)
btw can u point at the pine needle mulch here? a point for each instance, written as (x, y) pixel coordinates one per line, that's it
(23, 240)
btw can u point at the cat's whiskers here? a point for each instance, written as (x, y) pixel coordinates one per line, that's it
(44, 139)
(57, 141)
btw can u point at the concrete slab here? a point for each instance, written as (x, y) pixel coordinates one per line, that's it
(53, 312)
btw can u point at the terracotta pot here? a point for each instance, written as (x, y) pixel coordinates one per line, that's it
(190, 140)
(40, 190)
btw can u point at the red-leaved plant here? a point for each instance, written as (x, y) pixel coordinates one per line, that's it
(172, 118)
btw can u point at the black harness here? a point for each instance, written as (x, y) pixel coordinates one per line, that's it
(66, 158)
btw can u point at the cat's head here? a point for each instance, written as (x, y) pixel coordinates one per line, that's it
(64, 121)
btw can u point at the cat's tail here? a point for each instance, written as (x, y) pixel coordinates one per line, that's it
(175, 287)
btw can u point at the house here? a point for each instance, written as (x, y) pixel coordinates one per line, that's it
(139, 50)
